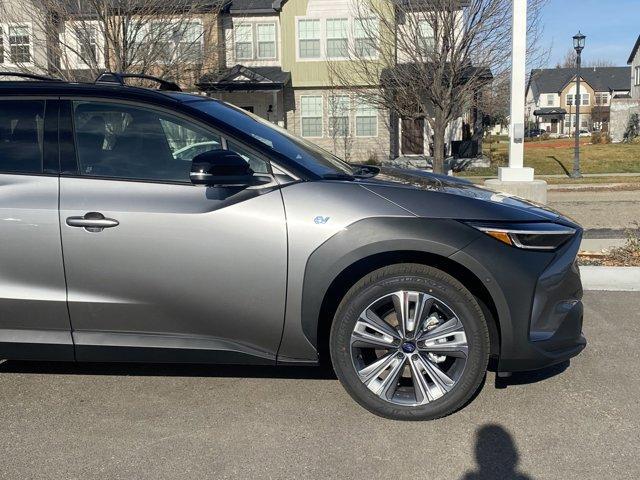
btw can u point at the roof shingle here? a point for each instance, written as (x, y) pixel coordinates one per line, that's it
(601, 79)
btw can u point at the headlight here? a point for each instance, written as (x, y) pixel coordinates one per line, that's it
(529, 236)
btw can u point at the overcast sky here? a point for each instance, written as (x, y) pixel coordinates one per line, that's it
(611, 26)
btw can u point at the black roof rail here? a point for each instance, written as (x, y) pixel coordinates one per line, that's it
(119, 78)
(29, 76)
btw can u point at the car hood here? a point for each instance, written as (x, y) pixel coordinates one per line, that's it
(439, 196)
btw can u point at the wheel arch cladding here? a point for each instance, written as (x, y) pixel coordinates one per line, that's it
(369, 244)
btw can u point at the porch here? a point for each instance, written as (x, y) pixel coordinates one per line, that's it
(263, 91)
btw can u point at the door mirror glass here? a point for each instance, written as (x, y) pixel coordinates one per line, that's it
(221, 167)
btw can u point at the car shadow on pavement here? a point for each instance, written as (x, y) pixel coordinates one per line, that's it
(496, 454)
(169, 370)
(526, 378)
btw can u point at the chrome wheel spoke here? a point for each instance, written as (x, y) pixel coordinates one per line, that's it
(440, 381)
(370, 330)
(420, 384)
(447, 339)
(411, 308)
(373, 378)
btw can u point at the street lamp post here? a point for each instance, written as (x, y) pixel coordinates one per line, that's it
(578, 45)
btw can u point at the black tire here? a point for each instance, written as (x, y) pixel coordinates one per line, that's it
(418, 278)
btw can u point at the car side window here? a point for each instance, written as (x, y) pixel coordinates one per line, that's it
(129, 142)
(257, 165)
(21, 136)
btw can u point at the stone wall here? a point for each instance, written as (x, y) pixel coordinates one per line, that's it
(621, 110)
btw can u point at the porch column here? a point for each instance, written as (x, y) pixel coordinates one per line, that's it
(516, 178)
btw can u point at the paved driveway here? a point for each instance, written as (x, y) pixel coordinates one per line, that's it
(65, 422)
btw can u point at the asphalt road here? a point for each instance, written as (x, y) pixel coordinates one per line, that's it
(613, 209)
(138, 422)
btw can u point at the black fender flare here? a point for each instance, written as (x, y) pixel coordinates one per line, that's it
(369, 237)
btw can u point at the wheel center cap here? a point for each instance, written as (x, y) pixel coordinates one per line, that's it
(408, 347)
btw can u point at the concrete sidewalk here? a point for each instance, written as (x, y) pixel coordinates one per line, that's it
(611, 279)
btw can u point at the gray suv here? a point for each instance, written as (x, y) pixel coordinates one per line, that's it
(145, 225)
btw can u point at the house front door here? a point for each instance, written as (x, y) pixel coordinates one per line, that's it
(413, 136)
(554, 125)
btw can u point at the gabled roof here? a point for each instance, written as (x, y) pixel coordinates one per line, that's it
(634, 51)
(245, 78)
(601, 79)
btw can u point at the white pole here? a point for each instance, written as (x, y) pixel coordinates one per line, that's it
(516, 170)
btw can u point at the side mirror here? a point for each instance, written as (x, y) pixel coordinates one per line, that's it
(220, 167)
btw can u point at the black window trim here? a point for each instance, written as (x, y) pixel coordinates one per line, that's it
(67, 119)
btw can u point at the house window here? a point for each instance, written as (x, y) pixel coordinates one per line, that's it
(339, 115)
(426, 37)
(586, 98)
(550, 100)
(309, 38)
(602, 98)
(1, 45)
(585, 123)
(637, 76)
(244, 41)
(19, 44)
(569, 100)
(266, 40)
(365, 31)
(311, 116)
(191, 40)
(337, 38)
(366, 119)
(88, 38)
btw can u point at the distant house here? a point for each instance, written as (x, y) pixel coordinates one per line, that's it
(634, 61)
(624, 106)
(552, 100)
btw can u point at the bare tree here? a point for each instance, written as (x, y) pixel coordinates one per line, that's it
(430, 59)
(571, 58)
(78, 39)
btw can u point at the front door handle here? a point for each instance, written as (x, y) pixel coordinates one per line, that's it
(92, 222)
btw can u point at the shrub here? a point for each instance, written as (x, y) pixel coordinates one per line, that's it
(600, 138)
(372, 159)
(633, 129)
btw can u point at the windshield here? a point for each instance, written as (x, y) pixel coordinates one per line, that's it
(298, 150)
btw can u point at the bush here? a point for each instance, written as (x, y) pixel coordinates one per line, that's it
(372, 159)
(600, 138)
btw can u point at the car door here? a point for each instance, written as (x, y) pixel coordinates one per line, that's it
(157, 268)
(34, 323)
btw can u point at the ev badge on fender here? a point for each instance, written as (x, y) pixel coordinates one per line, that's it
(319, 220)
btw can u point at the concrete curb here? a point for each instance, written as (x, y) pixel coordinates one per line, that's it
(611, 279)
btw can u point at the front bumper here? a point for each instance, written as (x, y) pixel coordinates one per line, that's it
(538, 297)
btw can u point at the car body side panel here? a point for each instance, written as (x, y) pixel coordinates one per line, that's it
(33, 309)
(316, 211)
(186, 268)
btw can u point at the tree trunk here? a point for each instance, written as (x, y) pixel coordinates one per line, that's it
(439, 130)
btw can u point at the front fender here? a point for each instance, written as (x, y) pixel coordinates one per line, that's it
(359, 241)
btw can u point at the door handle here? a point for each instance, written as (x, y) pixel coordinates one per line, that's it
(92, 222)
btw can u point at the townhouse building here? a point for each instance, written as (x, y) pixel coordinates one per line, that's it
(278, 65)
(270, 57)
(552, 98)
